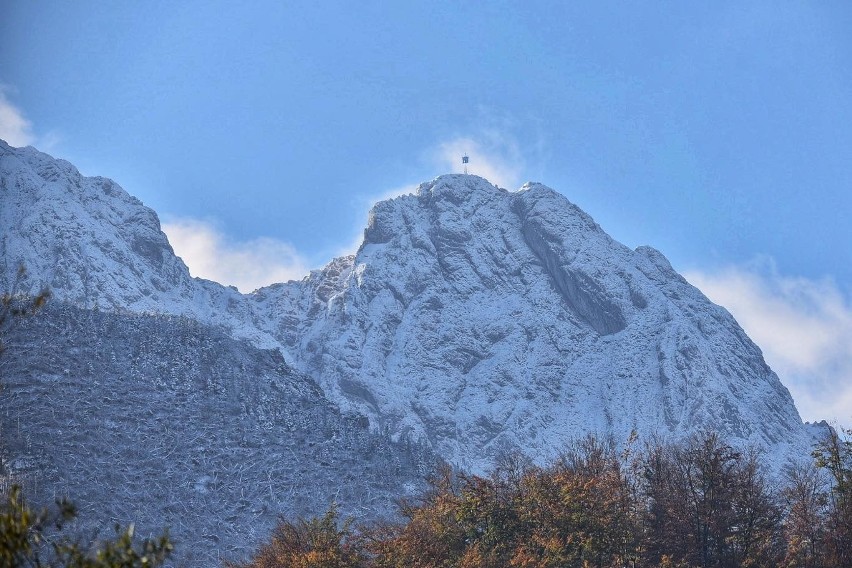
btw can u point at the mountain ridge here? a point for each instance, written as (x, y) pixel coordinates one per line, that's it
(476, 318)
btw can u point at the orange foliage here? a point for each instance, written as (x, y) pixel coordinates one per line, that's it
(698, 503)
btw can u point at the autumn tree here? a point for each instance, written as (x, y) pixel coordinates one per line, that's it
(834, 455)
(315, 543)
(432, 533)
(805, 500)
(700, 503)
(579, 512)
(31, 538)
(710, 505)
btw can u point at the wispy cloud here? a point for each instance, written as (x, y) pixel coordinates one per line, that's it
(248, 265)
(15, 129)
(803, 326)
(494, 152)
(362, 206)
(494, 155)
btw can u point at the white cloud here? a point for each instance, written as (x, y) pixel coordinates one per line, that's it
(14, 128)
(17, 130)
(248, 265)
(493, 155)
(398, 191)
(803, 326)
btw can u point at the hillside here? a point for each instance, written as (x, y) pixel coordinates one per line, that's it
(162, 421)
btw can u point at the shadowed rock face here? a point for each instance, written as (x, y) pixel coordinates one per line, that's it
(581, 293)
(471, 317)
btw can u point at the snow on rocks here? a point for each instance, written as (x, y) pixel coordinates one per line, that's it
(472, 317)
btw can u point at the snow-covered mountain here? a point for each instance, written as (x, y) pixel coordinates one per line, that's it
(93, 244)
(130, 395)
(472, 317)
(484, 319)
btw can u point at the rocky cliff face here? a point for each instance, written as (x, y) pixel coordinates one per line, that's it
(93, 244)
(85, 236)
(483, 319)
(472, 317)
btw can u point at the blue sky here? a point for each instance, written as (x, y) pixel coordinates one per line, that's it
(717, 132)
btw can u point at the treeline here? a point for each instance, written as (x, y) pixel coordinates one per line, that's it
(701, 503)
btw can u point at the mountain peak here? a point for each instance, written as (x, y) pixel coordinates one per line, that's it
(85, 236)
(456, 183)
(96, 246)
(482, 319)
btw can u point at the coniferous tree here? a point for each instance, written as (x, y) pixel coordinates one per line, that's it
(16, 304)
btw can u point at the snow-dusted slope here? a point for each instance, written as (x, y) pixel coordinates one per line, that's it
(473, 317)
(164, 422)
(484, 319)
(95, 245)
